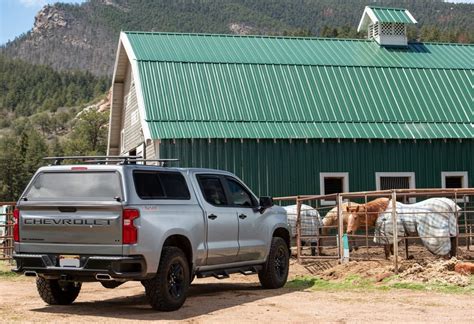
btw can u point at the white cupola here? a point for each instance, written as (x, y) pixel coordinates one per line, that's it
(387, 26)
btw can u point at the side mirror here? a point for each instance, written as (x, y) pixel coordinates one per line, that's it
(265, 202)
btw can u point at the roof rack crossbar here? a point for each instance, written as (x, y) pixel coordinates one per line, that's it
(101, 159)
(57, 160)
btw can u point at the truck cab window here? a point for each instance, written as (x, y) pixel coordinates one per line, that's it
(212, 190)
(239, 195)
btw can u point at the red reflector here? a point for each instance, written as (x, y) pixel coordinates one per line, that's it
(79, 168)
(16, 225)
(129, 231)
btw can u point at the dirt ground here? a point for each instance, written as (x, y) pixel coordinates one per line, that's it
(240, 299)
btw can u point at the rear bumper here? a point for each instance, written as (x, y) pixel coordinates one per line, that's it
(118, 267)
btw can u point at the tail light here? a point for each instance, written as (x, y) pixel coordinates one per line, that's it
(129, 231)
(16, 225)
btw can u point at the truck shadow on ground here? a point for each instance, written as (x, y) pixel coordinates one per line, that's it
(203, 299)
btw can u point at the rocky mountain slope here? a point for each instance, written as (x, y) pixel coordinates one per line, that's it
(85, 36)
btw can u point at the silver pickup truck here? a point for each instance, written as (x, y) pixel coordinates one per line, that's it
(158, 225)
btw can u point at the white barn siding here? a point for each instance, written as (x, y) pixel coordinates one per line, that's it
(150, 151)
(131, 125)
(115, 119)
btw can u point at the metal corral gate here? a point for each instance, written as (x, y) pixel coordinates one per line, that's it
(6, 230)
(331, 235)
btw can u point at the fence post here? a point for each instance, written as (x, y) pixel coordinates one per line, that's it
(298, 230)
(340, 228)
(455, 240)
(395, 231)
(6, 248)
(466, 229)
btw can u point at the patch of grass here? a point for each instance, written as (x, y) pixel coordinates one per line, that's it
(438, 287)
(388, 279)
(408, 285)
(301, 283)
(5, 270)
(443, 288)
(355, 282)
(315, 283)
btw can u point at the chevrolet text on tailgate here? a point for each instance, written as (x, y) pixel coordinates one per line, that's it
(161, 226)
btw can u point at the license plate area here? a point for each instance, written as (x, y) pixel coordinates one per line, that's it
(69, 261)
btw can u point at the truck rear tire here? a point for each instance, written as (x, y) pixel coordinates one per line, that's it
(275, 271)
(55, 293)
(167, 291)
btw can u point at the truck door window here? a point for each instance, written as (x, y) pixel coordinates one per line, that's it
(239, 196)
(212, 190)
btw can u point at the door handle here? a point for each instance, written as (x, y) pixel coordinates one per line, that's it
(242, 216)
(212, 216)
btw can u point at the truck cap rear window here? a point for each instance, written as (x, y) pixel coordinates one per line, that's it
(89, 186)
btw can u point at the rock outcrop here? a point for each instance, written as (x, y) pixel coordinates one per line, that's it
(48, 19)
(241, 29)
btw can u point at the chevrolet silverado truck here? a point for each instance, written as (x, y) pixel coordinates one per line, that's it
(161, 226)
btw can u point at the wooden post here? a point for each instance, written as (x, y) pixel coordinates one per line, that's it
(340, 227)
(395, 231)
(298, 229)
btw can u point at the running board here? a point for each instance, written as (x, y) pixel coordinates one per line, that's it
(224, 273)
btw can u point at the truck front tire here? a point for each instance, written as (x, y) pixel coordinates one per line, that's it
(54, 292)
(167, 291)
(275, 271)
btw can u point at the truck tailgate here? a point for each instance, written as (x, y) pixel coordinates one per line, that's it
(71, 225)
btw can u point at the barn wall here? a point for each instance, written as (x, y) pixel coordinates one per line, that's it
(115, 121)
(285, 168)
(150, 151)
(132, 135)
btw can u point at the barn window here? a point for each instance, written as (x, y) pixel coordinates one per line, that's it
(122, 140)
(454, 179)
(333, 182)
(134, 117)
(395, 180)
(125, 100)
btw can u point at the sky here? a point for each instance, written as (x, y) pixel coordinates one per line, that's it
(17, 16)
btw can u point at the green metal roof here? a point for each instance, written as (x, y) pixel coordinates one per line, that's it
(202, 48)
(209, 86)
(393, 15)
(275, 130)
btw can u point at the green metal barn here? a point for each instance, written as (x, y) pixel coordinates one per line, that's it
(301, 115)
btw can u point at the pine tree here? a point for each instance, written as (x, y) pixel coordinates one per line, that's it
(89, 135)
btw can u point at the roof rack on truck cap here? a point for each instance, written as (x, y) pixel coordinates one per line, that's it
(102, 159)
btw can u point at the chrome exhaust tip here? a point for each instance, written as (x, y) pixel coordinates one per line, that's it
(31, 274)
(103, 277)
